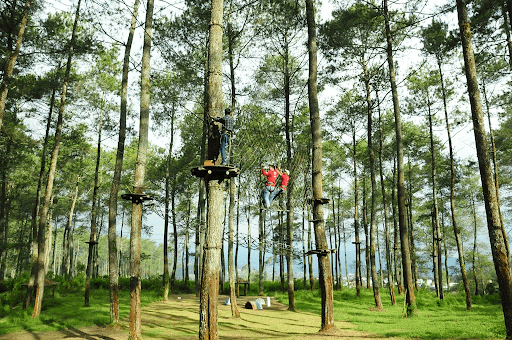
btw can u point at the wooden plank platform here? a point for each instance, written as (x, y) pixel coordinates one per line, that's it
(215, 172)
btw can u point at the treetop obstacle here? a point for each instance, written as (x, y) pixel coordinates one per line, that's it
(215, 172)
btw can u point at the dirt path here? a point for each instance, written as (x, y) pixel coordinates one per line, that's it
(178, 318)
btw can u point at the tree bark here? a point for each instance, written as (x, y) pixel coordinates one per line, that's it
(166, 281)
(43, 220)
(289, 201)
(208, 324)
(310, 257)
(94, 216)
(10, 60)
(113, 260)
(475, 244)
(261, 250)
(324, 267)
(138, 183)
(435, 210)
(456, 231)
(67, 238)
(495, 168)
(387, 241)
(175, 235)
(396, 246)
(373, 206)
(231, 269)
(357, 242)
(35, 211)
(402, 221)
(496, 236)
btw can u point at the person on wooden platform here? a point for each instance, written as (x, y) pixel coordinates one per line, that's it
(226, 132)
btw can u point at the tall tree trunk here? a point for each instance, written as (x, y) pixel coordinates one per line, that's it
(94, 217)
(4, 208)
(10, 58)
(138, 183)
(398, 274)
(166, 281)
(509, 12)
(304, 263)
(387, 241)
(289, 201)
(51, 176)
(495, 168)
(281, 253)
(357, 242)
(113, 259)
(435, 255)
(456, 231)
(333, 256)
(201, 209)
(261, 250)
(435, 209)
(175, 234)
(237, 242)
(67, 237)
(210, 273)
(340, 220)
(35, 211)
(496, 235)
(310, 257)
(186, 251)
(249, 243)
(289, 247)
(409, 209)
(324, 268)
(475, 244)
(366, 234)
(506, 27)
(402, 221)
(208, 326)
(231, 269)
(373, 206)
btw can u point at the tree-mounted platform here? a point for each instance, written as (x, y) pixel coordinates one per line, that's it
(136, 198)
(319, 200)
(215, 172)
(321, 252)
(274, 209)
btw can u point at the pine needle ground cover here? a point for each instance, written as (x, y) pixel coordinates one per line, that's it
(435, 319)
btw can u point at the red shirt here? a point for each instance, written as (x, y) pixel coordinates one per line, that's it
(271, 176)
(284, 180)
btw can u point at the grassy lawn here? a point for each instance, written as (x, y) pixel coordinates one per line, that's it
(436, 319)
(68, 311)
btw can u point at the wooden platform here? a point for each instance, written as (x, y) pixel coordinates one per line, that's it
(215, 172)
(272, 209)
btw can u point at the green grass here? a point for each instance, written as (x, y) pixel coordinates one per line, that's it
(68, 311)
(435, 319)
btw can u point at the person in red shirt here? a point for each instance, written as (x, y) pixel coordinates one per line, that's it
(285, 177)
(270, 184)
